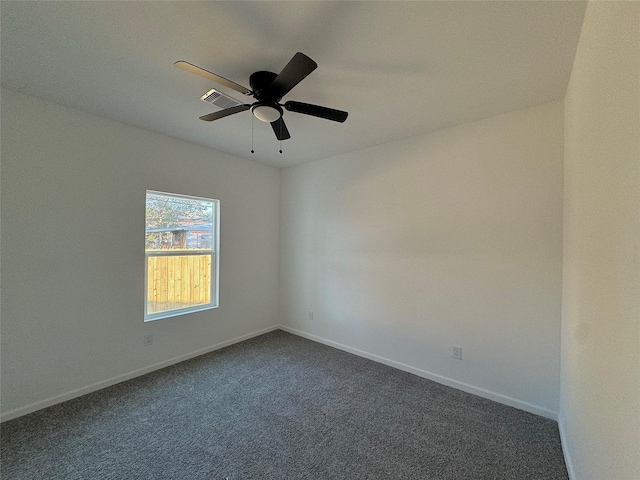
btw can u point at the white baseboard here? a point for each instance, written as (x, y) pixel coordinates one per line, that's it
(481, 392)
(465, 387)
(32, 407)
(565, 448)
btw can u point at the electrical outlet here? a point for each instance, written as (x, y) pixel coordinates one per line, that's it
(310, 315)
(456, 352)
(148, 340)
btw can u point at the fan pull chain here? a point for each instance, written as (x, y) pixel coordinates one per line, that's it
(281, 122)
(252, 134)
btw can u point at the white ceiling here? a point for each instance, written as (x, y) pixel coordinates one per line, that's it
(399, 68)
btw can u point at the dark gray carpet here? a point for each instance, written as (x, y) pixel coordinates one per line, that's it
(280, 407)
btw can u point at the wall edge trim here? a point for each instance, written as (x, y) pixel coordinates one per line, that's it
(78, 392)
(566, 453)
(450, 382)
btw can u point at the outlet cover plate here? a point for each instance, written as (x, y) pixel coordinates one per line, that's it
(456, 352)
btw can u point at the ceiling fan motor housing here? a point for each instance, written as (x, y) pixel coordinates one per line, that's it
(266, 108)
(260, 82)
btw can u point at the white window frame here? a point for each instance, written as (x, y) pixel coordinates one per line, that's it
(214, 252)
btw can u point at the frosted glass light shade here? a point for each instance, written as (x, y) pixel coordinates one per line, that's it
(266, 113)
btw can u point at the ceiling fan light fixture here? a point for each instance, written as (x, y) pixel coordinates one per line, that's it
(268, 88)
(266, 113)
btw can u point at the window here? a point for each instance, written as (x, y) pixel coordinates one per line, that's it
(182, 255)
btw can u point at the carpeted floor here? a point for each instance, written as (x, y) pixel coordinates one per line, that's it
(280, 407)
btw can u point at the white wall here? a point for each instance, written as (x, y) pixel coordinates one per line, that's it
(451, 238)
(73, 198)
(600, 395)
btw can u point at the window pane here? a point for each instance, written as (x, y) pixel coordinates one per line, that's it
(178, 281)
(178, 223)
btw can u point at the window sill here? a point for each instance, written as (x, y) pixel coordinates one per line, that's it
(176, 313)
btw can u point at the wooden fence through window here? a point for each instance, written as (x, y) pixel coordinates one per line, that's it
(175, 282)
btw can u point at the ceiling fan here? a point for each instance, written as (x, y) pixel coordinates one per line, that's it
(268, 89)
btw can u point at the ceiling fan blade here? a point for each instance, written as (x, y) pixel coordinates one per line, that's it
(280, 129)
(297, 69)
(225, 113)
(316, 111)
(189, 67)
